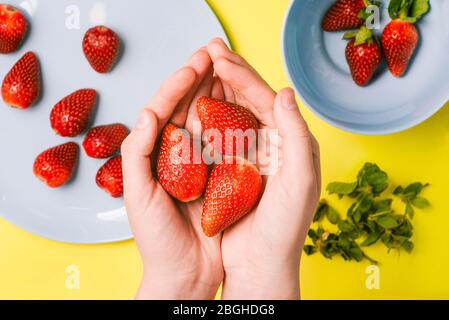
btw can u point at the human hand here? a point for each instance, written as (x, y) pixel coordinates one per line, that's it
(179, 261)
(261, 253)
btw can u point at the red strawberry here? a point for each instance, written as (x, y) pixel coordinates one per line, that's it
(110, 177)
(22, 85)
(400, 37)
(71, 116)
(364, 56)
(227, 125)
(104, 141)
(399, 41)
(56, 166)
(101, 46)
(344, 15)
(180, 170)
(232, 192)
(13, 28)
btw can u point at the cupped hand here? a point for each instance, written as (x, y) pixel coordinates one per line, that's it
(179, 261)
(259, 256)
(261, 253)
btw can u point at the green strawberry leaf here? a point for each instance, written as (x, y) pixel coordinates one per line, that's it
(410, 19)
(408, 10)
(363, 36)
(419, 8)
(394, 8)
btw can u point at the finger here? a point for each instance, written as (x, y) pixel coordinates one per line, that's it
(204, 89)
(218, 49)
(250, 89)
(138, 180)
(297, 143)
(317, 161)
(217, 89)
(202, 64)
(228, 92)
(171, 93)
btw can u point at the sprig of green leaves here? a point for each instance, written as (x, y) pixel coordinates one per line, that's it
(408, 10)
(369, 220)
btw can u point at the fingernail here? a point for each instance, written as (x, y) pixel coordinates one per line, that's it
(289, 100)
(143, 121)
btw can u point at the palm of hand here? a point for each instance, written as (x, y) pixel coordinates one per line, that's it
(178, 238)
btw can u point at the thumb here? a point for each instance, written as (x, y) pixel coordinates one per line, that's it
(138, 180)
(296, 138)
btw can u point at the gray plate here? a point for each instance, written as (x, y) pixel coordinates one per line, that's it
(159, 37)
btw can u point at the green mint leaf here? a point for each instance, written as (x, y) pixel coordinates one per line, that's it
(373, 177)
(408, 246)
(313, 235)
(341, 188)
(409, 210)
(310, 250)
(333, 216)
(387, 222)
(321, 211)
(345, 226)
(398, 191)
(419, 8)
(383, 205)
(387, 240)
(320, 232)
(379, 182)
(357, 254)
(371, 239)
(420, 203)
(413, 190)
(405, 229)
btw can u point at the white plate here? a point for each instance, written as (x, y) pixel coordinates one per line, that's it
(159, 36)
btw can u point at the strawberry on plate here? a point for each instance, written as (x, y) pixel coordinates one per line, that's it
(400, 37)
(71, 116)
(13, 28)
(180, 170)
(363, 54)
(105, 141)
(101, 46)
(22, 85)
(233, 190)
(346, 15)
(110, 177)
(55, 167)
(231, 129)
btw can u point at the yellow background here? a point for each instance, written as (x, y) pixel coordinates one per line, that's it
(34, 268)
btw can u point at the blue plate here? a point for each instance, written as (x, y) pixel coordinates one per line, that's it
(317, 67)
(159, 37)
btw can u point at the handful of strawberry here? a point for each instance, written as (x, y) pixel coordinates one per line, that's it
(363, 52)
(233, 188)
